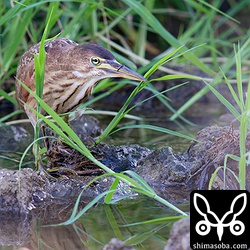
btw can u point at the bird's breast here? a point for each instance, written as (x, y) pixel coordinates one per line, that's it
(72, 95)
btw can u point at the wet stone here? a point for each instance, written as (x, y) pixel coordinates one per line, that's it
(18, 189)
(121, 158)
(179, 237)
(170, 174)
(13, 230)
(116, 244)
(165, 167)
(86, 126)
(14, 138)
(212, 145)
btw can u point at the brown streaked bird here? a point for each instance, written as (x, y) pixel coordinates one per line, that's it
(71, 72)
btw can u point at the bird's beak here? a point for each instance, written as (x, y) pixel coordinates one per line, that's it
(118, 70)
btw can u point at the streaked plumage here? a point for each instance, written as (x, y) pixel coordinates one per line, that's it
(71, 72)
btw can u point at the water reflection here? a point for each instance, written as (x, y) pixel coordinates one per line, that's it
(91, 231)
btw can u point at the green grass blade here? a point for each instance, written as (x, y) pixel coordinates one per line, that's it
(224, 101)
(138, 238)
(75, 20)
(162, 61)
(172, 77)
(211, 181)
(150, 19)
(232, 91)
(113, 222)
(75, 216)
(39, 64)
(18, 29)
(155, 128)
(239, 77)
(13, 11)
(155, 221)
(113, 188)
(124, 110)
(218, 11)
(12, 114)
(148, 192)
(143, 184)
(8, 97)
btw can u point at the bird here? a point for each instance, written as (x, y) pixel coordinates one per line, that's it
(71, 72)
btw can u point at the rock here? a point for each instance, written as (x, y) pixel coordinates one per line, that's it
(87, 128)
(169, 174)
(20, 191)
(14, 138)
(213, 144)
(116, 244)
(28, 190)
(179, 238)
(121, 158)
(15, 228)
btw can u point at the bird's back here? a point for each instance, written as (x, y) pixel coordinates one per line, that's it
(25, 70)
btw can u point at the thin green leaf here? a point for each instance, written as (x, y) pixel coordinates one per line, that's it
(113, 222)
(172, 77)
(162, 61)
(18, 29)
(140, 237)
(155, 128)
(75, 216)
(12, 114)
(155, 221)
(230, 87)
(224, 101)
(156, 25)
(113, 188)
(7, 97)
(218, 11)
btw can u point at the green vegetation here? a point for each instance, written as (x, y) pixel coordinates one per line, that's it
(138, 32)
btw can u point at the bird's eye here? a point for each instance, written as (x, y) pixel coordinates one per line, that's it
(95, 60)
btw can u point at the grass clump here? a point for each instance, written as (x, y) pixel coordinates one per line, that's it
(241, 113)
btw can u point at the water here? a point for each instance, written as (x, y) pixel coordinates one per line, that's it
(93, 230)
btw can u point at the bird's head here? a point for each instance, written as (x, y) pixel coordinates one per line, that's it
(97, 62)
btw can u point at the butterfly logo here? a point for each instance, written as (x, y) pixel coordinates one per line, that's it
(203, 227)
